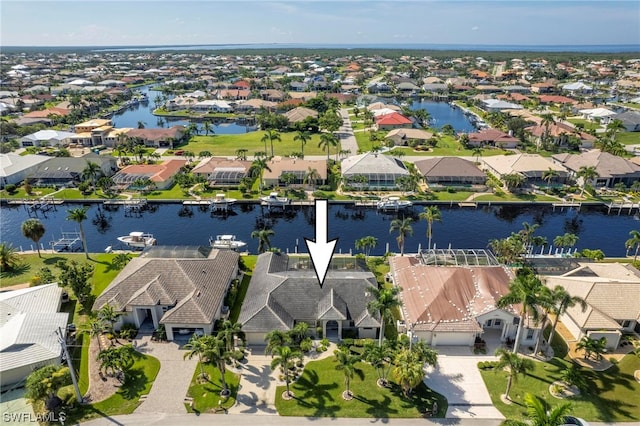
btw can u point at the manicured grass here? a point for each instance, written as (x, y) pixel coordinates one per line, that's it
(587, 124)
(628, 138)
(519, 197)
(20, 193)
(318, 393)
(206, 396)
(139, 381)
(451, 196)
(229, 144)
(175, 192)
(83, 377)
(242, 292)
(449, 146)
(612, 395)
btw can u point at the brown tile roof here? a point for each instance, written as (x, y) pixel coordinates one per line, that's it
(439, 298)
(158, 172)
(159, 134)
(448, 166)
(280, 165)
(209, 165)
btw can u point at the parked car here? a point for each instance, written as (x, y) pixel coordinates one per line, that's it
(570, 420)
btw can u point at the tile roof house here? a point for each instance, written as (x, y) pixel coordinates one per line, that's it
(284, 290)
(559, 134)
(67, 171)
(47, 138)
(630, 120)
(611, 168)
(447, 171)
(160, 174)
(451, 305)
(221, 171)
(531, 166)
(185, 294)
(29, 320)
(380, 171)
(493, 137)
(299, 114)
(299, 168)
(404, 136)
(392, 121)
(160, 137)
(612, 292)
(15, 168)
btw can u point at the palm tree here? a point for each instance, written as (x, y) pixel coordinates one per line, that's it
(91, 172)
(408, 370)
(632, 242)
(549, 175)
(107, 314)
(8, 257)
(592, 346)
(303, 137)
(94, 327)
(547, 121)
(276, 338)
(514, 364)
(79, 215)
(366, 244)
(327, 140)
(284, 357)
(346, 362)
(614, 127)
(523, 290)
(540, 413)
(311, 176)
(141, 124)
(299, 332)
(587, 173)
(513, 180)
(562, 301)
(33, 229)
(229, 331)
(431, 214)
(383, 302)
(404, 228)
(477, 152)
(241, 154)
(197, 346)
(270, 135)
(566, 240)
(208, 127)
(380, 358)
(216, 353)
(257, 169)
(263, 236)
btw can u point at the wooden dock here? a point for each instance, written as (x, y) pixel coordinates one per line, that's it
(623, 206)
(468, 204)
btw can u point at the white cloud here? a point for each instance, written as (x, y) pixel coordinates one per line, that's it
(476, 28)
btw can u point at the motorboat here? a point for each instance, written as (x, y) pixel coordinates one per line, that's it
(226, 242)
(222, 200)
(274, 201)
(393, 203)
(138, 240)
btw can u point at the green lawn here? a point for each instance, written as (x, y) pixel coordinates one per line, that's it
(206, 396)
(229, 144)
(451, 196)
(628, 138)
(519, 197)
(449, 146)
(318, 393)
(587, 124)
(139, 381)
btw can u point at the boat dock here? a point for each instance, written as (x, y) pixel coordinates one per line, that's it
(468, 204)
(623, 206)
(567, 205)
(134, 206)
(42, 204)
(70, 241)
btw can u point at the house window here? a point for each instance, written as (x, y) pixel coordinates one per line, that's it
(530, 333)
(489, 322)
(497, 323)
(626, 323)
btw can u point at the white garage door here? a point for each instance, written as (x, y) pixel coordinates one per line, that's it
(255, 339)
(453, 339)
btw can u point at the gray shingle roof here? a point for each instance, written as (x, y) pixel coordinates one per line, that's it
(277, 296)
(195, 286)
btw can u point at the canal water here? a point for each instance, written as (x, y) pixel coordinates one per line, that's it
(468, 227)
(442, 113)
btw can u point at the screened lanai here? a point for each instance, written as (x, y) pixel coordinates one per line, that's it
(458, 257)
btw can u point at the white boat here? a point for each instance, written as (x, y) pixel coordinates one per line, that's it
(226, 242)
(393, 203)
(274, 200)
(221, 199)
(138, 240)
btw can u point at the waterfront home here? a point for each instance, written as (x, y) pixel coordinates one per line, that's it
(88, 126)
(450, 171)
(577, 88)
(67, 171)
(452, 305)
(600, 115)
(160, 175)
(30, 319)
(284, 290)
(221, 171)
(531, 166)
(611, 169)
(612, 292)
(496, 105)
(393, 120)
(556, 100)
(212, 106)
(493, 138)
(254, 105)
(300, 169)
(403, 137)
(47, 138)
(184, 293)
(630, 120)
(299, 114)
(559, 134)
(373, 171)
(15, 168)
(158, 138)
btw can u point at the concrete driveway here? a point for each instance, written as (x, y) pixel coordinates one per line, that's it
(457, 378)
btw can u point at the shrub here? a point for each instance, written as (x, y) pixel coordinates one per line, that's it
(128, 331)
(10, 188)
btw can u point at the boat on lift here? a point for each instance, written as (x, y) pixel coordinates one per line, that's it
(226, 241)
(138, 240)
(393, 204)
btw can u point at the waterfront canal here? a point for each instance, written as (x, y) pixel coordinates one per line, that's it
(468, 227)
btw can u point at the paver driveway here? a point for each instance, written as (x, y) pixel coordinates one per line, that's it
(457, 378)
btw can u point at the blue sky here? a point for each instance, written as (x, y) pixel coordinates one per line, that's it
(90, 23)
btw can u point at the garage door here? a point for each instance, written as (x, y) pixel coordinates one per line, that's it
(255, 339)
(453, 339)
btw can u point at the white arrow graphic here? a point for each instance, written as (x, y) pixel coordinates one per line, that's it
(321, 250)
